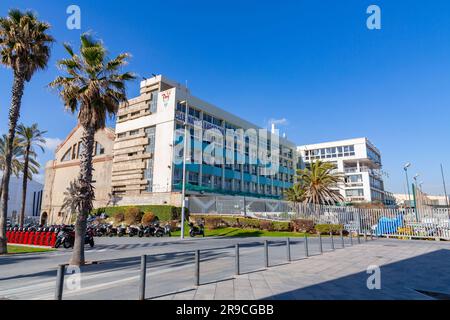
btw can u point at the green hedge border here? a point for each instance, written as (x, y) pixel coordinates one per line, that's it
(163, 212)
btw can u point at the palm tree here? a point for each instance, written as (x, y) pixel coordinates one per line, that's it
(16, 159)
(25, 48)
(29, 138)
(296, 193)
(93, 87)
(321, 183)
(73, 199)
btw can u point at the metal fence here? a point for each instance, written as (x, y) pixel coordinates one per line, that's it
(425, 222)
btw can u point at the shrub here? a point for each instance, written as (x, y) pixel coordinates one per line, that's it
(133, 215)
(266, 225)
(327, 228)
(303, 225)
(163, 212)
(213, 223)
(149, 218)
(119, 217)
(282, 226)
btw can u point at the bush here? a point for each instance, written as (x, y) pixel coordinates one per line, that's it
(133, 215)
(327, 228)
(213, 223)
(163, 212)
(149, 218)
(282, 226)
(266, 225)
(303, 225)
(119, 217)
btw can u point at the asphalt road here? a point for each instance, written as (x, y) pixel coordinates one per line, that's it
(170, 266)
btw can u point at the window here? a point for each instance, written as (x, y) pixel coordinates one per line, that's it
(123, 117)
(121, 135)
(134, 132)
(67, 156)
(355, 193)
(99, 150)
(194, 112)
(135, 113)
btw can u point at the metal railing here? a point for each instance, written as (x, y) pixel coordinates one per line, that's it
(197, 260)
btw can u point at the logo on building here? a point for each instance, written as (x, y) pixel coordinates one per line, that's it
(166, 97)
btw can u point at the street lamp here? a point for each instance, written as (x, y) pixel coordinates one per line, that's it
(405, 167)
(183, 188)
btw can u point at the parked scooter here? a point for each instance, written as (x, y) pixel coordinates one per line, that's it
(196, 230)
(133, 231)
(66, 237)
(149, 231)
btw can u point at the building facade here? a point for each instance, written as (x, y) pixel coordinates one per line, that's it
(65, 169)
(33, 200)
(149, 131)
(359, 160)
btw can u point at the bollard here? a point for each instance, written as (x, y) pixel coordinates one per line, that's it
(288, 249)
(359, 238)
(197, 268)
(365, 236)
(143, 277)
(266, 253)
(332, 241)
(351, 238)
(60, 282)
(320, 244)
(306, 247)
(342, 239)
(237, 265)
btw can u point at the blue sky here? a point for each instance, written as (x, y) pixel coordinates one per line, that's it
(313, 63)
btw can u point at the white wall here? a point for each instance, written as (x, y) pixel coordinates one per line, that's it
(15, 196)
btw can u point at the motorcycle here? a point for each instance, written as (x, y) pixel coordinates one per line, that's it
(66, 237)
(149, 231)
(196, 231)
(162, 231)
(135, 231)
(121, 231)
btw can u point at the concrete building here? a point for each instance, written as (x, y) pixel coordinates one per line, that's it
(144, 168)
(422, 200)
(33, 201)
(359, 160)
(65, 168)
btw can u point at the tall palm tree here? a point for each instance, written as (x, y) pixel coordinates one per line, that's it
(16, 159)
(321, 182)
(29, 138)
(25, 48)
(93, 87)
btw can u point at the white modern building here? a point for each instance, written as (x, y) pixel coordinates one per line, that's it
(359, 160)
(148, 134)
(33, 202)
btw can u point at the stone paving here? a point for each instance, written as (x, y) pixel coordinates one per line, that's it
(406, 266)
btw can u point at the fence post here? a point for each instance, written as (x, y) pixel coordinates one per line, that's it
(332, 240)
(342, 239)
(371, 235)
(143, 277)
(320, 244)
(237, 265)
(266, 253)
(306, 246)
(359, 238)
(288, 249)
(60, 282)
(197, 268)
(365, 236)
(351, 238)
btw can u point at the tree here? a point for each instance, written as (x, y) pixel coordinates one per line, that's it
(93, 87)
(16, 158)
(29, 138)
(296, 193)
(25, 48)
(320, 182)
(73, 198)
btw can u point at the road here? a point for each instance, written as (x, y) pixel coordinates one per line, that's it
(170, 266)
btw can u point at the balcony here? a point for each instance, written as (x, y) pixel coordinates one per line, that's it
(371, 171)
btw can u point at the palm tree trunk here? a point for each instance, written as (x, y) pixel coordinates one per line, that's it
(85, 183)
(24, 186)
(14, 113)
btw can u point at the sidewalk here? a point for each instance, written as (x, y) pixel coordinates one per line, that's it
(406, 266)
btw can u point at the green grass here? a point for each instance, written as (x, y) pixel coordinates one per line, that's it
(21, 249)
(237, 232)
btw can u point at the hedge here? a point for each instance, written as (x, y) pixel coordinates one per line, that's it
(214, 222)
(327, 228)
(163, 212)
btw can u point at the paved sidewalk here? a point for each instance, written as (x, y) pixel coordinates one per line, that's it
(406, 266)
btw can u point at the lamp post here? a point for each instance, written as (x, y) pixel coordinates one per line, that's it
(445, 187)
(405, 167)
(183, 188)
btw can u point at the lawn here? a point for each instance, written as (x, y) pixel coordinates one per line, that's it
(22, 249)
(236, 232)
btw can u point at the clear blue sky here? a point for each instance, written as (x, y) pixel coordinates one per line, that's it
(311, 62)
